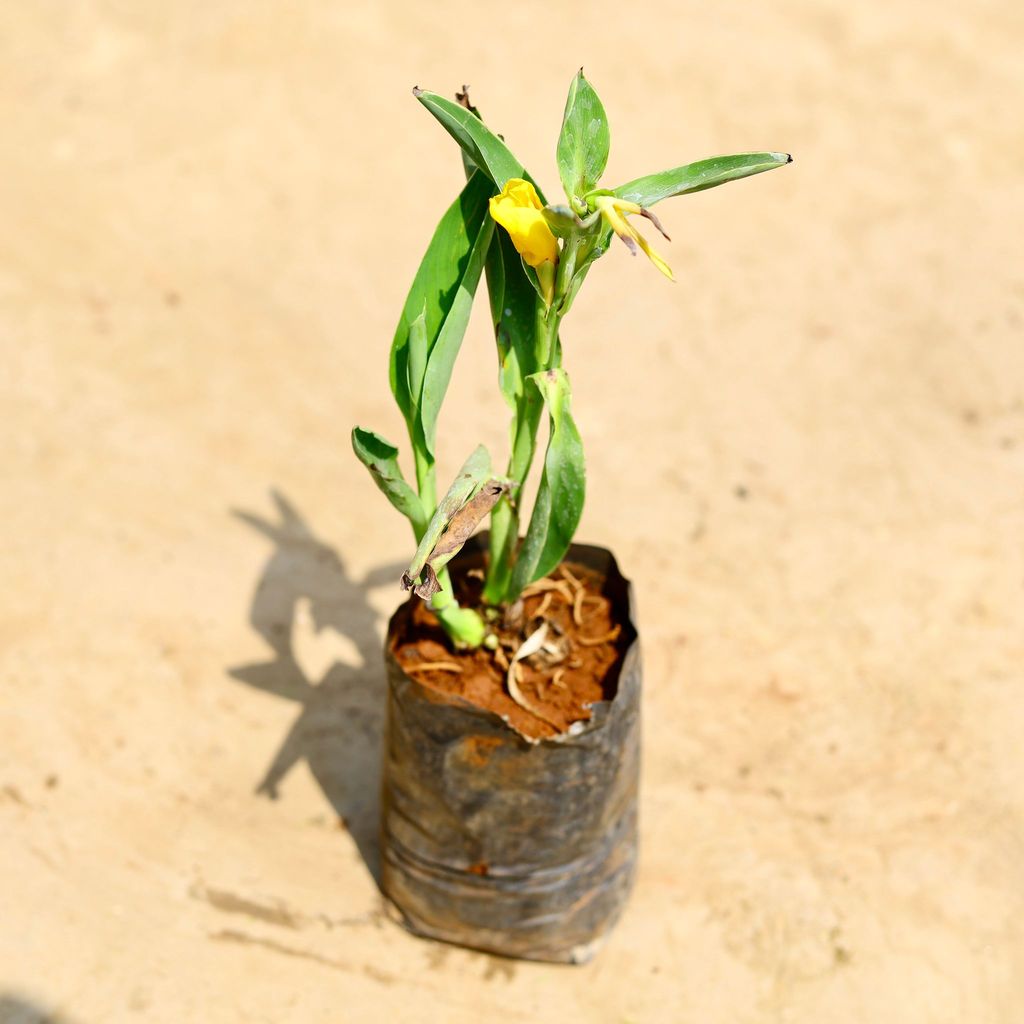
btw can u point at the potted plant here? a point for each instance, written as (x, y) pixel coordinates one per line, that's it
(512, 745)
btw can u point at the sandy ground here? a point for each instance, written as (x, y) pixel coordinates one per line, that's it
(808, 454)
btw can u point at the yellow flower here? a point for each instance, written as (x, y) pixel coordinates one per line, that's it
(518, 210)
(614, 212)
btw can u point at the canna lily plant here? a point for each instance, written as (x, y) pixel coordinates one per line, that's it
(535, 257)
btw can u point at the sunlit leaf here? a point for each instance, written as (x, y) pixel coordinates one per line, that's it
(380, 457)
(437, 309)
(698, 176)
(584, 141)
(478, 142)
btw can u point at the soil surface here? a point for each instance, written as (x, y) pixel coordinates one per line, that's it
(585, 633)
(807, 454)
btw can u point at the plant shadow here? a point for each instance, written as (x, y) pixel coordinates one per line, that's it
(303, 591)
(15, 1010)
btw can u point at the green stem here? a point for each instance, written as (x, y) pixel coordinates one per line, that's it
(426, 482)
(505, 517)
(464, 626)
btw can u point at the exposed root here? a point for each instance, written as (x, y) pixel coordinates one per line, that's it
(577, 608)
(549, 584)
(593, 641)
(501, 658)
(434, 666)
(574, 581)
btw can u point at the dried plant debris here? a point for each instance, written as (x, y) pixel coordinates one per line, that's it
(469, 499)
(529, 646)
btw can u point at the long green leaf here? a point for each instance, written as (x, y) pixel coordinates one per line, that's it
(381, 458)
(436, 309)
(513, 302)
(698, 176)
(513, 310)
(583, 144)
(559, 504)
(418, 348)
(442, 354)
(478, 142)
(482, 149)
(514, 293)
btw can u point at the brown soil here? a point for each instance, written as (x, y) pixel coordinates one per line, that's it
(587, 635)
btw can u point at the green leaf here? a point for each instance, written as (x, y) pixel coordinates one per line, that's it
(381, 459)
(559, 504)
(463, 97)
(482, 149)
(478, 142)
(513, 311)
(582, 150)
(521, 271)
(513, 300)
(441, 359)
(416, 360)
(698, 176)
(437, 307)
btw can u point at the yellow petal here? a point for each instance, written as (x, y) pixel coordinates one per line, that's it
(614, 211)
(518, 210)
(609, 210)
(654, 257)
(522, 193)
(625, 206)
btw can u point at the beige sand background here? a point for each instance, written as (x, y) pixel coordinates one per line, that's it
(808, 453)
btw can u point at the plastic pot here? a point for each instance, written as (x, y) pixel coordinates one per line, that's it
(521, 848)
